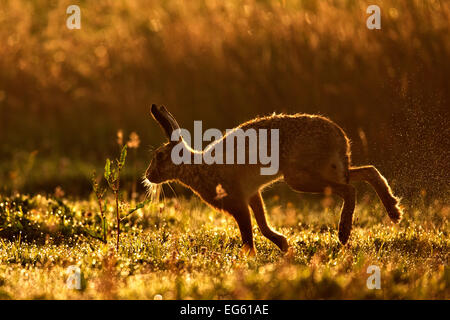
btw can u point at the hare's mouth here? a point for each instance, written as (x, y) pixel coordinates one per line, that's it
(152, 189)
(146, 183)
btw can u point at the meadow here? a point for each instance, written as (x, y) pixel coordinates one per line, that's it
(181, 249)
(69, 99)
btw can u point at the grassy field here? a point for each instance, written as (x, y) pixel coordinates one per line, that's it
(65, 94)
(181, 249)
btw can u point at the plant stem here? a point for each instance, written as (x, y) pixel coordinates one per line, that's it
(133, 189)
(116, 193)
(103, 218)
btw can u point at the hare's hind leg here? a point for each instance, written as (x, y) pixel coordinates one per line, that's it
(257, 205)
(304, 181)
(371, 175)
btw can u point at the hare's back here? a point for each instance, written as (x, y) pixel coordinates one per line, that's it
(315, 144)
(307, 141)
(302, 130)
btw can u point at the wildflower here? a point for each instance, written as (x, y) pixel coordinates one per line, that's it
(120, 137)
(59, 192)
(134, 141)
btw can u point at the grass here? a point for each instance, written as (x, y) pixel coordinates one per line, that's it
(181, 249)
(64, 94)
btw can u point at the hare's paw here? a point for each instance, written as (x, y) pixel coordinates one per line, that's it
(289, 255)
(248, 251)
(395, 211)
(283, 244)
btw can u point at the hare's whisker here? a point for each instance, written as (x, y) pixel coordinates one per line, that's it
(174, 193)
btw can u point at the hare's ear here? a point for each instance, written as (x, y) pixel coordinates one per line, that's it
(165, 119)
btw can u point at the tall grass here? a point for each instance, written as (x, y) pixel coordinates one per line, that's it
(66, 92)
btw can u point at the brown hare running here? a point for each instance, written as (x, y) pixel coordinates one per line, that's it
(314, 155)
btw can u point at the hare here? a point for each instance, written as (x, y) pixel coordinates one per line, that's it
(314, 155)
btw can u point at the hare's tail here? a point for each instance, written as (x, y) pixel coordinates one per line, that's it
(371, 175)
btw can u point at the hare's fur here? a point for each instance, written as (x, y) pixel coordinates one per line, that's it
(314, 154)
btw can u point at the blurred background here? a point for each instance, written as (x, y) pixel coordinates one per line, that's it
(65, 94)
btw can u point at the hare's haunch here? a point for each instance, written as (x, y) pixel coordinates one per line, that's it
(314, 155)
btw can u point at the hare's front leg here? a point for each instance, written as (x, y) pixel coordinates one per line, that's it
(239, 210)
(257, 205)
(304, 181)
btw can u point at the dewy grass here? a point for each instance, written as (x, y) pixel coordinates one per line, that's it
(99, 194)
(186, 250)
